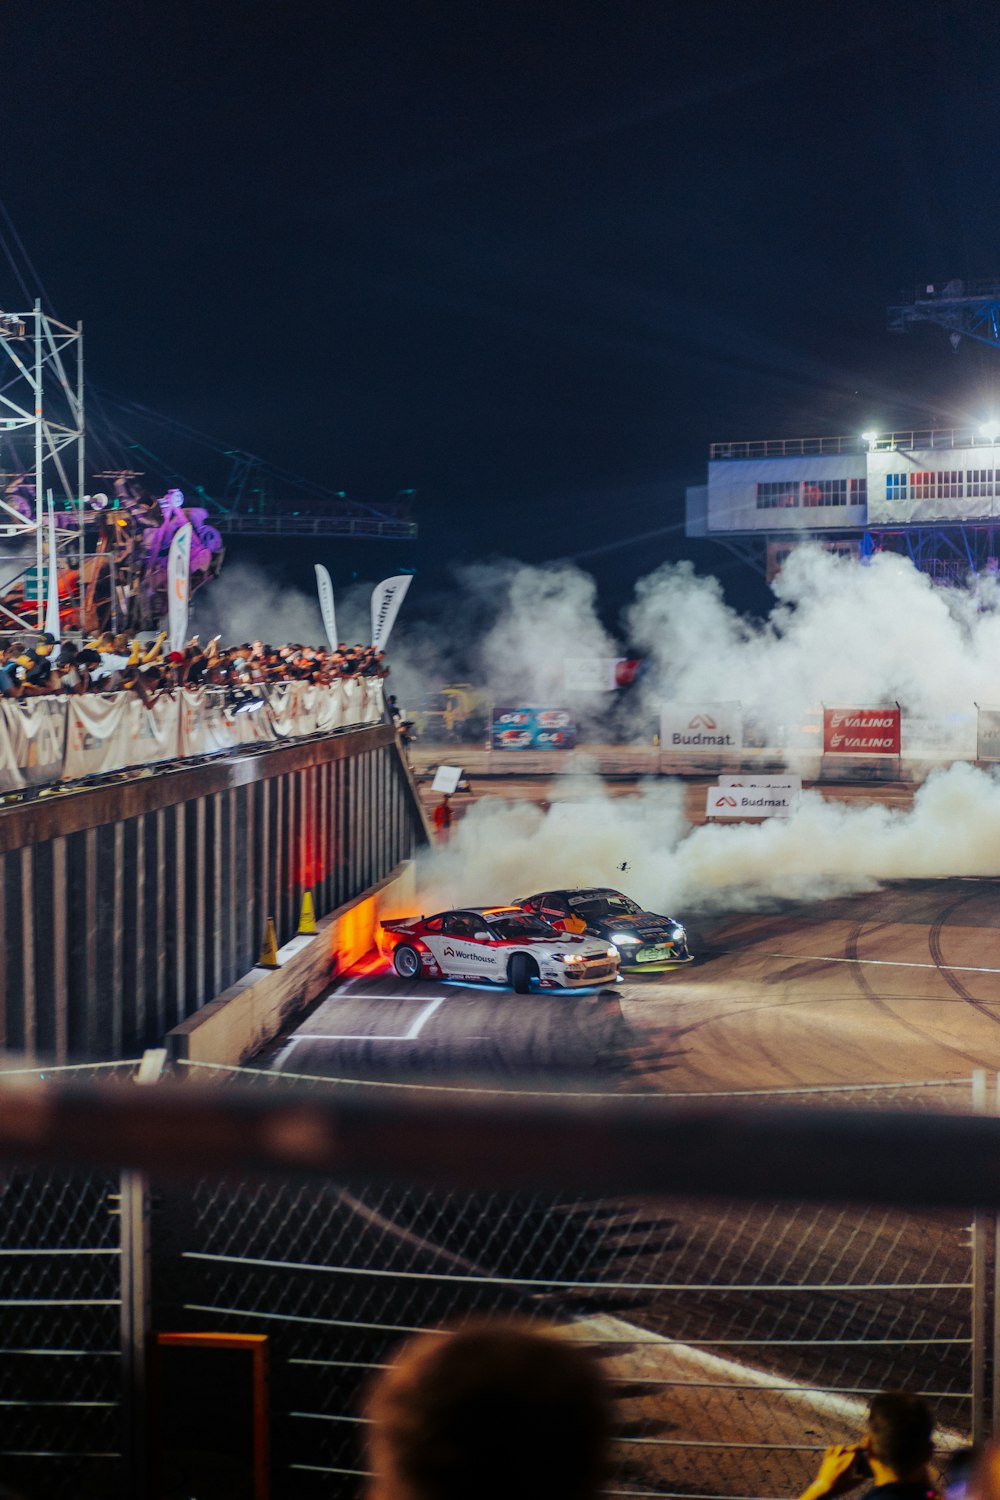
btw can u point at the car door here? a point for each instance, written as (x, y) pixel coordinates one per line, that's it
(462, 953)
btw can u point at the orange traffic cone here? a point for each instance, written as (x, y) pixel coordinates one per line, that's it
(269, 953)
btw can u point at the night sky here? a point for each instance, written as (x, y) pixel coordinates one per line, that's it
(526, 259)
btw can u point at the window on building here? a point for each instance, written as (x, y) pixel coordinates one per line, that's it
(859, 492)
(979, 484)
(895, 486)
(777, 494)
(824, 492)
(923, 484)
(950, 484)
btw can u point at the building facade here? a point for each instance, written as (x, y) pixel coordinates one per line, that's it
(931, 495)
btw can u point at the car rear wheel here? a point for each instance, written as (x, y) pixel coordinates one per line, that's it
(521, 972)
(406, 962)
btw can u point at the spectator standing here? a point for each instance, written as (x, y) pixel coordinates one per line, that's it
(443, 818)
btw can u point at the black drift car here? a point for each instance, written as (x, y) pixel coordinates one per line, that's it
(645, 940)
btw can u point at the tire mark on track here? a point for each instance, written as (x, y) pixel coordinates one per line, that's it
(949, 976)
(871, 994)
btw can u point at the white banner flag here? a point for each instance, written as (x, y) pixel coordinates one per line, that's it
(178, 580)
(387, 596)
(325, 587)
(52, 605)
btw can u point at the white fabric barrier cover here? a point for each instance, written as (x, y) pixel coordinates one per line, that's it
(50, 739)
(35, 737)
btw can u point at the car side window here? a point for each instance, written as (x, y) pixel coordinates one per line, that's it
(434, 925)
(460, 924)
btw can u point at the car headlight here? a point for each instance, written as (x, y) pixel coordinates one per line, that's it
(570, 958)
(678, 934)
(623, 937)
(613, 953)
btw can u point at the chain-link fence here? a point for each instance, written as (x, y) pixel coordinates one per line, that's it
(742, 1338)
(60, 1315)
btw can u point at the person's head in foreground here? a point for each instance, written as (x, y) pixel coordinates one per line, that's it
(490, 1411)
(895, 1450)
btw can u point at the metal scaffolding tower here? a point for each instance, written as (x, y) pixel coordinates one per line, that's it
(41, 419)
(965, 309)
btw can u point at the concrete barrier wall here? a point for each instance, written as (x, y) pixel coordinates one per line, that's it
(254, 1010)
(126, 908)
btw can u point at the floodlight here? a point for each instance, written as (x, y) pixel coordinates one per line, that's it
(869, 437)
(990, 430)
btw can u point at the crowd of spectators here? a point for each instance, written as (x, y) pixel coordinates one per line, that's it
(114, 663)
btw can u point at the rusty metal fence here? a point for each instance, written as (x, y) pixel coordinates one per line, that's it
(741, 1337)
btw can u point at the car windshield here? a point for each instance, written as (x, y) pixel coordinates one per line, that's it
(604, 904)
(521, 927)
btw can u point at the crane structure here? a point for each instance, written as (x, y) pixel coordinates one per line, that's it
(964, 309)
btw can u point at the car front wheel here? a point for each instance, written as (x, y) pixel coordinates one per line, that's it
(521, 973)
(406, 962)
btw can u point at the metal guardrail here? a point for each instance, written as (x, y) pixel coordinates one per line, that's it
(289, 525)
(921, 438)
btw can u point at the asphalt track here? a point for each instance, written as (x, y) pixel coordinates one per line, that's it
(897, 986)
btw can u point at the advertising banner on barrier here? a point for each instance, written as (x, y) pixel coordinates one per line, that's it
(694, 728)
(532, 729)
(590, 674)
(775, 783)
(178, 586)
(861, 731)
(951, 736)
(98, 734)
(749, 802)
(988, 735)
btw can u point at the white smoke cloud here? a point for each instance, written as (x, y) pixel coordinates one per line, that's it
(839, 634)
(501, 850)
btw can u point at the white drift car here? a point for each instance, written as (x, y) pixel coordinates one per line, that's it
(498, 943)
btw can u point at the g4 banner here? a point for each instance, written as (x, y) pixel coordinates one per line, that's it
(861, 731)
(532, 729)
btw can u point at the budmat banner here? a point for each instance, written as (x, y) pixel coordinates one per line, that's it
(532, 729)
(749, 802)
(387, 597)
(774, 783)
(861, 731)
(697, 728)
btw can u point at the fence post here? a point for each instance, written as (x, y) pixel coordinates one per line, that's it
(135, 1306)
(983, 1324)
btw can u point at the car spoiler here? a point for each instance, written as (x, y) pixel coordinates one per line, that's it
(401, 924)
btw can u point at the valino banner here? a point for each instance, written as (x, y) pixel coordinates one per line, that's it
(861, 731)
(697, 728)
(532, 729)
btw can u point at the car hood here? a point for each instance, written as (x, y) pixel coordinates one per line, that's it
(645, 928)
